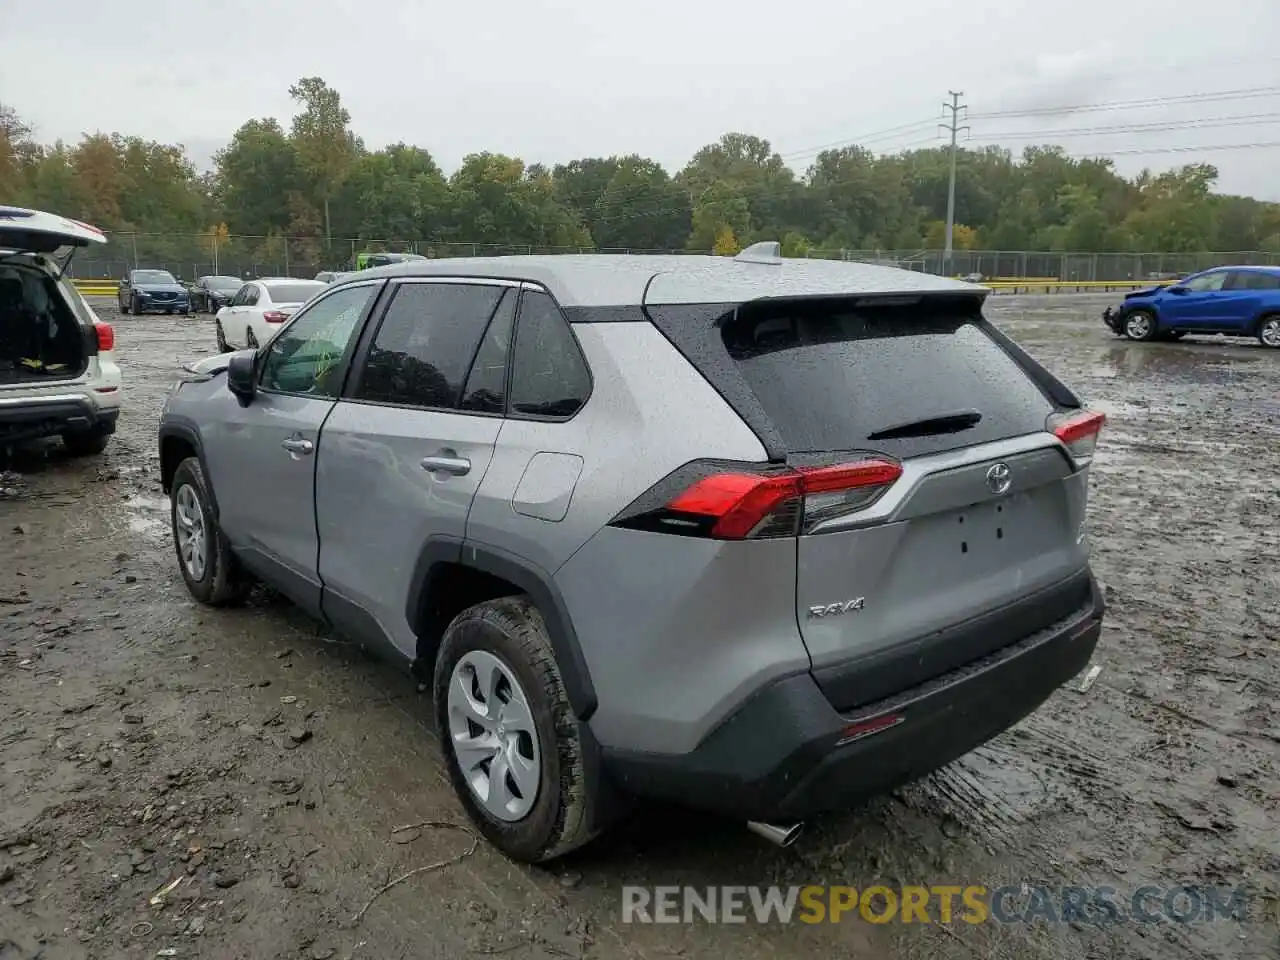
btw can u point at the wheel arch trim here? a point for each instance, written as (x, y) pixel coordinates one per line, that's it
(442, 551)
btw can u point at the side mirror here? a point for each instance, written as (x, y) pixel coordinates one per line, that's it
(242, 375)
(1178, 290)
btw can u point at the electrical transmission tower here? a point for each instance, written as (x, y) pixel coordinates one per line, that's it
(953, 127)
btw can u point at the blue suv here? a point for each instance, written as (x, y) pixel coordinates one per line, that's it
(1236, 301)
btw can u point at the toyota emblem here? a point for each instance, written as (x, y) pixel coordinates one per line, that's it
(999, 478)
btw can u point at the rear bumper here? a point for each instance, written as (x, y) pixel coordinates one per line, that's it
(783, 755)
(31, 418)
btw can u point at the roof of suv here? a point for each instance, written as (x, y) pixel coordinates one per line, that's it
(598, 280)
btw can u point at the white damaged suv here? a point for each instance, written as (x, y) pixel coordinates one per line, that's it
(58, 374)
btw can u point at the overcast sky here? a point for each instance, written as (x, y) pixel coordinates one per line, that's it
(554, 80)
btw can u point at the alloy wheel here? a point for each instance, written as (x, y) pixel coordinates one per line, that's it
(189, 531)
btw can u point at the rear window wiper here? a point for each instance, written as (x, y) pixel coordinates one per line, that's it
(930, 426)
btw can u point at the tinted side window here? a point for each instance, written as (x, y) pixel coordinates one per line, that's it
(425, 345)
(306, 356)
(549, 375)
(486, 388)
(250, 295)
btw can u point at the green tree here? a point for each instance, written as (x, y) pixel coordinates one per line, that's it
(321, 132)
(255, 174)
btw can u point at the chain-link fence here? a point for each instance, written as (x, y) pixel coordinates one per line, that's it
(188, 257)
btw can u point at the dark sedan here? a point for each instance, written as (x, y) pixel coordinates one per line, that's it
(152, 290)
(211, 294)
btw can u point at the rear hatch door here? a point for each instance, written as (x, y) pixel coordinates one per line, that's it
(34, 231)
(976, 544)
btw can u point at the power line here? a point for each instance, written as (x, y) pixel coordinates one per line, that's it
(1152, 151)
(1247, 93)
(1217, 96)
(1246, 120)
(888, 133)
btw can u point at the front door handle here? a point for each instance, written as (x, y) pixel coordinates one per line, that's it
(298, 447)
(452, 465)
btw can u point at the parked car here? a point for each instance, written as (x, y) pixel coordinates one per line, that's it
(332, 276)
(752, 534)
(1235, 301)
(258, 308)
(211, 294)
(58, 372)
(368, 261)
(152, 290)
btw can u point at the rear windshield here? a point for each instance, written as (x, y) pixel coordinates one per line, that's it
(904, 380)
(293, 292)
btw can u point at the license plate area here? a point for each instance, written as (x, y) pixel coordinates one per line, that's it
(989, 535)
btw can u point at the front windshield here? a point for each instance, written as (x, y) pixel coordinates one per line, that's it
(224, 283)
(153, 276)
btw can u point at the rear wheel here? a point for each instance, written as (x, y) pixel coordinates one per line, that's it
(221, 337)
(1269, 331)
(511, 742)
(85, 443)
(250, 340)
(1140, 325)
(204, 557)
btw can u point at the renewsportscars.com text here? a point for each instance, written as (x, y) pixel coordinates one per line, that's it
(973, 904)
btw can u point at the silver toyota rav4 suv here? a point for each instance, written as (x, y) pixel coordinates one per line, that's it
(756, 535)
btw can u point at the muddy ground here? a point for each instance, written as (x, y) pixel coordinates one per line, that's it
(146, 740)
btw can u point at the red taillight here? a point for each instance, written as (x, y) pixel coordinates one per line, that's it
(742, 505)
(738, 502)
(275, 316)
(1078, 433)
(106, 336)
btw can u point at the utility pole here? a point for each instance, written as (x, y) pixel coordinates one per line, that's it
(953, 127)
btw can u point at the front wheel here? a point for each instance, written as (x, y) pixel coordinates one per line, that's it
(204, 557)
(1140, 325)
(137, 306)
(1269, 332)
(512, 745)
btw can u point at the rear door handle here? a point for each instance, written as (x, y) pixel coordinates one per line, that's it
(454, 466)
(298, 447)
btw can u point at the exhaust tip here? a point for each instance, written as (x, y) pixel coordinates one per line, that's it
(779, 834)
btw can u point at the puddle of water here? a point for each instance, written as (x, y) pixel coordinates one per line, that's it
(147, 515)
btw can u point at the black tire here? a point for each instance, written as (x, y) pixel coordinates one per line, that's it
(1140, 325)
(512, 629)
(137, 306)
(222, 582)
(85, 443)
(250, 341)
(220, 337)
(1269, 331)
